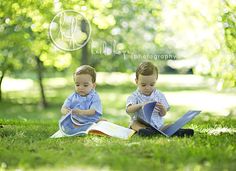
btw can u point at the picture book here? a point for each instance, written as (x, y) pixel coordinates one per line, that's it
(69, 126)
(145, 114)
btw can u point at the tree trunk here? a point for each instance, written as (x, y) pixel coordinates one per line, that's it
(1, 79)
(84, 55)
(4, 69)
(84, 58)
(40, 81)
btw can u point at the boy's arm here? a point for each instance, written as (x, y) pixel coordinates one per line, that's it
(84, 112)
(65, 109)
(134, 107)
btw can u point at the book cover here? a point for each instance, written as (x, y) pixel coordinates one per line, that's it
(145, 114)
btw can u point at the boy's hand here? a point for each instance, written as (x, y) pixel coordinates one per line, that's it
(67, 110)
(161, 109)
(76, 111)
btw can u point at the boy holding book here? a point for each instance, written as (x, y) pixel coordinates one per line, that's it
(84, 103)
(146, 77)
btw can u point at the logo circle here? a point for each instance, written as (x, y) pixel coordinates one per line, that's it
(69, 30)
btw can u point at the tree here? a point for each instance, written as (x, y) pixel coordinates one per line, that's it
(203, 31)
(24, 28)
(229, 22)
(13, 48)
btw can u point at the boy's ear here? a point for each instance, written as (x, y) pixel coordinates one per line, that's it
(136, 80)
(94, 85)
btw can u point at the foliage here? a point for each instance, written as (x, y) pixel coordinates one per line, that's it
(202, 32)
(124, 33)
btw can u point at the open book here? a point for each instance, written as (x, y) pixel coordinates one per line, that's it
(69, 126)
(145, 114)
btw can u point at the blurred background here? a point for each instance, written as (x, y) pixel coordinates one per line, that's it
(193, 43)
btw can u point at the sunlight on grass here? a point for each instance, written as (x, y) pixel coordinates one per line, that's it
(113, 78)
(10, 84)
(59, 82)
(188, 91)
(183, 80)
(166, 79)
(203, 100)
(218, 131)
(113, 104)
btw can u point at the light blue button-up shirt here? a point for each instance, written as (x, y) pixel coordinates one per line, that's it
(91, 101)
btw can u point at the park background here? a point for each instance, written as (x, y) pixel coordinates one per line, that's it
(193, 43)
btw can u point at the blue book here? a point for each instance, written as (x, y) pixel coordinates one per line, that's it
(70, 126)
(145, 114)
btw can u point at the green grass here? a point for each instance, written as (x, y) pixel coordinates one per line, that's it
(25, 143)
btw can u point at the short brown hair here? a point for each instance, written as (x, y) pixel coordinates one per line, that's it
(86, 69)
(146, 68)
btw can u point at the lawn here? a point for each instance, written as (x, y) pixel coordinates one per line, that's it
(25, 143)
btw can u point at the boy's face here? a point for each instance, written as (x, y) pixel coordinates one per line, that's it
(146, 83)
(83, 84)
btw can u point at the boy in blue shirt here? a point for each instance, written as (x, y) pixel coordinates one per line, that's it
(84, 103)
(146, 77)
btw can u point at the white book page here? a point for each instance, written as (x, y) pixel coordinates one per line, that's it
(112, 129)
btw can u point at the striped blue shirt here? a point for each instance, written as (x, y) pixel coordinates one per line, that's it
(137, 97)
